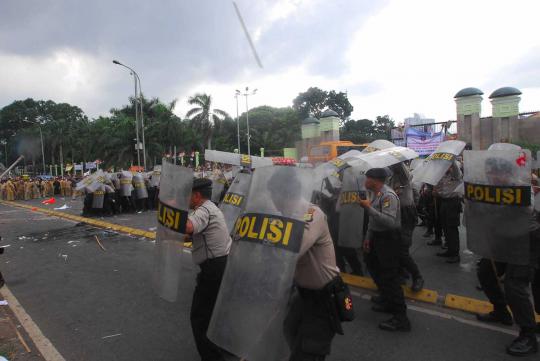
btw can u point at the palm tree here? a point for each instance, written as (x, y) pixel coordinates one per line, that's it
(203, 118)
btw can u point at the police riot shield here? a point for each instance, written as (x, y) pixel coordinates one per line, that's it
(378, 144)
(234, 201)
(438, 163)
(125, 184)
(218, 187)
(504, 146)
(174, 196)
(155, 176)
(99, 196)
(236, 159)
(140, 186)
(400, 182)
(351, 214)
(85, 182)
(498, 204)
(98, 179)
(383, 158)
(252, 302)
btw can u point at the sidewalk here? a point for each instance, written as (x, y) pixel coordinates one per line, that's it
(15, 344)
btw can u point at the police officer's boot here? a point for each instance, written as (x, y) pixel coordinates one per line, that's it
(525, 344)
(417, 284)
(396, 323)
(499, 315)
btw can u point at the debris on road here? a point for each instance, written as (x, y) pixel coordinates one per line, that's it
(99, 243)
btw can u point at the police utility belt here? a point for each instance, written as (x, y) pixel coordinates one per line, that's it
(339, 298)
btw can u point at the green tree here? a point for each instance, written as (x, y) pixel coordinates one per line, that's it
(358, 131)
(314, 101)
(383, 126)
(270, 128)
(204, 118)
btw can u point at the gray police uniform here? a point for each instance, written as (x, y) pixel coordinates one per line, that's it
(210, 235)
(401, 183)
(312, 322)
(211, 245)
(517, 279)
(383, 259)
(450, 207)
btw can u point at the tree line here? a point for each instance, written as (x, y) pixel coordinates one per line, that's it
(69, 136)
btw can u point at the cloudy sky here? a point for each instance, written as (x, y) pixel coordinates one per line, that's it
(393, 57)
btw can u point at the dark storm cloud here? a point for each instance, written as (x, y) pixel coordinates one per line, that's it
(175, 44)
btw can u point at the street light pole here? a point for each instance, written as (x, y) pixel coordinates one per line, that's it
(141, 112)
(237, 121)
(246, 94)
(136, 109)
(42, 148)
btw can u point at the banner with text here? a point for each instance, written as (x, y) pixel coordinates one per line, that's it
(424, 143)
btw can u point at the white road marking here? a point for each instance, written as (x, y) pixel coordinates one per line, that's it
(47, 349)
(448, 316)
(116, 334)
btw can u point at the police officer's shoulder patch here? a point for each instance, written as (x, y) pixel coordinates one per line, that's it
(386, 202)
(308, 217)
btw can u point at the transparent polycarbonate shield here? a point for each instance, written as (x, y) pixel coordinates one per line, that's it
(97, 179)
(251, 306)
(140, 186)
(236, 159)
(378, 144)
(504, 146)
(126, 185)
(234, 201)
(351, 219)
(384, 158)
(400, 182)
(85, 182)
(218, 187)
(497, 192)
(98, 197)
(438, 163)
(174, 197)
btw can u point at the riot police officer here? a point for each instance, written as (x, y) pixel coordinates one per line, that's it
(449, 201)
(312, 321)
(400, 182)
(517, 276)
(382, 247)
(211, 246)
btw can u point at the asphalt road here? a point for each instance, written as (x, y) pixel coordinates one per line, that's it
(99, 305)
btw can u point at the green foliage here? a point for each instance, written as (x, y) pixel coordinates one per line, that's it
(69, 135)
(365, 130)
(204, 119)
(533, 147)
(270, 128)
(314, 101)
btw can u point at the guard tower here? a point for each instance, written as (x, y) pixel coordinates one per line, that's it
(469, 106)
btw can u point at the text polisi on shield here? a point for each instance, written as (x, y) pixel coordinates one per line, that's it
(233, 199)
(172, 218)
(281, 232)
(499, 195)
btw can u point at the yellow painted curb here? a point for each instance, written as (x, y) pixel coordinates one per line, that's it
(429, 296)
(425, 295)
(467, 304)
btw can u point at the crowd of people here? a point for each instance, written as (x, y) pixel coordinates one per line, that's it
(26, 188)
(360, 219)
